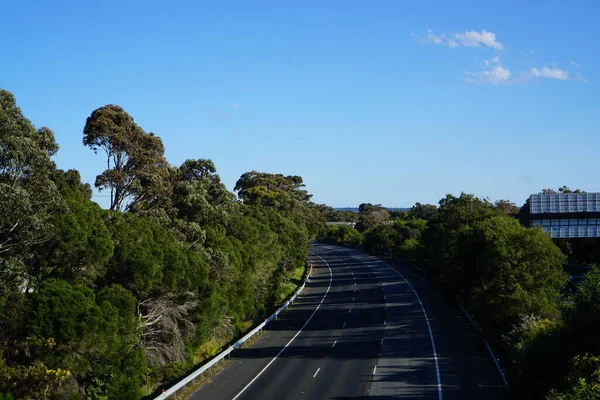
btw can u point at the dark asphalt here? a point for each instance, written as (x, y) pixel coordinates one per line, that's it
(368, 338)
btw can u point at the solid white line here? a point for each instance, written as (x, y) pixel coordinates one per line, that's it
(292, 339)
(318, 369)
(374, 370)
(435, 357)
(333, 345)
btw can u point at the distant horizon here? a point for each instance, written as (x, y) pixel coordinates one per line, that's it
(357, 208)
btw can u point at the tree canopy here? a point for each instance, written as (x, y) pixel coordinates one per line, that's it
(111, 303)
(136, 171)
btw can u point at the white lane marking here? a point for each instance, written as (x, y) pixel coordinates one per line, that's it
(350, 310)
(343, 326)
(384, 321)
(292, 339)
(333, 345)
(435, 357)
(374, 370)
(318, 369)
(353, 298)
(382, 342)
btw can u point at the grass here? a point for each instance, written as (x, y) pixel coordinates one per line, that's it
(206, 377)
(288, 288)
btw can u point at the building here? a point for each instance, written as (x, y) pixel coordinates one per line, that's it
(566, 215)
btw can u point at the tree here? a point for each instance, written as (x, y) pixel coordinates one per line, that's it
(507, 207)
(493, 263)
(283, 193)
(422, 211)
(380, 239)
(583, 380)
(514, 271)
(28, 198)
(91, 340)
(198, 194)
(584, 319)
(166, 326)
(136, 172)
(370, 216)
(271, 189)
(80, 245)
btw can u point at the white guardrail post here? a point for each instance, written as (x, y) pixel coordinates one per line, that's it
(192, 377)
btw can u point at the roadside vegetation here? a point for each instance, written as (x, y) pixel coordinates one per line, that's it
(509, 276)
(110, 304)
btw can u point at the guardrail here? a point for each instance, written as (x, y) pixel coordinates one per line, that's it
(192, 377)
(487, 345)
(474, 325)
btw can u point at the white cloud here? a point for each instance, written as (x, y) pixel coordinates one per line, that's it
(554, 73)
(473, 38)
(492, 75)
(573, 63)
(437, 39)
(579, 77)
(470, 38)
(557, 73)
(495, 60)
(235, 106)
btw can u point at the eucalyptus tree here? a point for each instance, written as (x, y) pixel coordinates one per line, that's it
(137, 173)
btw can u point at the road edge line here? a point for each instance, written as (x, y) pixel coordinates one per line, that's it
(297, 333)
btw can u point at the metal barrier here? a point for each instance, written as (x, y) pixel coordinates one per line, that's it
(487, 345)
(192, 377)
(471, 321)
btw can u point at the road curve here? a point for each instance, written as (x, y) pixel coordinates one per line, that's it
(361, 328)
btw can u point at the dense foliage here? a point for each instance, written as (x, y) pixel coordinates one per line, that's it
(510, 277)
(107, 304)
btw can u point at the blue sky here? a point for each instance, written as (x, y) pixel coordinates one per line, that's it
(388, 102)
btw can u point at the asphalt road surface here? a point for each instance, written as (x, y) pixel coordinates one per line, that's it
(362, 328)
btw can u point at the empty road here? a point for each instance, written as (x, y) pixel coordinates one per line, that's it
(360, 329)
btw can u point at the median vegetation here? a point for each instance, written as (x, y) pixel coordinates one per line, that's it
(510, 277)
(110, 303)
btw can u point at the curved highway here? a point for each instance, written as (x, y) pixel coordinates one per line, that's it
(362, 328)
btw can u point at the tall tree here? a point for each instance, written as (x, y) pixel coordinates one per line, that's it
(198, 195)
(423, 211)
(507, 207)
(271, 189)
(27, 195)
(136, 172)
(371, 216)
